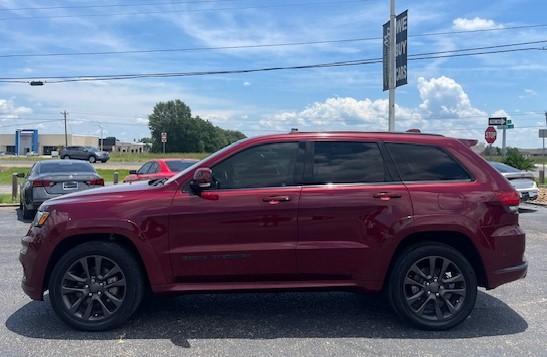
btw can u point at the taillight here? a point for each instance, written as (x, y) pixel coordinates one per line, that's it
(508, 198)
(96, 182)
(42, 183)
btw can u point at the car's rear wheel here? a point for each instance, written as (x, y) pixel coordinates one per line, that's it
(432, 286)
(27, 213)
(66, 157)
(96, 286)
(92, 159)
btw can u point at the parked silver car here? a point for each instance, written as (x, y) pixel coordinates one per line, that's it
(522, 181)
(52, 178)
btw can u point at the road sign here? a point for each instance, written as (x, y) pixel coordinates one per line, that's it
(497, 121)
(490, 134)
(543, 133)
(164, 137)
(401, 46)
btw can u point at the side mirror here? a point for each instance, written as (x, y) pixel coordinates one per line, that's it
(132, 172)
(203, 180)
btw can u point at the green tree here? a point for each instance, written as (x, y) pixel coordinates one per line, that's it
(186, 133)
(515, 158)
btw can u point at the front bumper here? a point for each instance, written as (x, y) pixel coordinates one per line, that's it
(34, 267)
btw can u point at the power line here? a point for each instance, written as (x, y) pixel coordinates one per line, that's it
(115, 5)
(413, 57)
(329, 2)
(251, 46)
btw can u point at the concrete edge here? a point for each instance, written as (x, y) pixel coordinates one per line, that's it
(9, 205)
(537, 204)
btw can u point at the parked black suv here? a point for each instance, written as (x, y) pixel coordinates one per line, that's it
(88, 153)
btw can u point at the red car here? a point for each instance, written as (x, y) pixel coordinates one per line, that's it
(418, 216)
(158, 169)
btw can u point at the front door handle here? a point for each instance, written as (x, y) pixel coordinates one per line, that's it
(273, 200)
(386, 196)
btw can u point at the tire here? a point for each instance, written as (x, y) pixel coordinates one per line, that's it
(432, 301)
(66, 157)
(121, 299)
(92, 159)
(27, 213)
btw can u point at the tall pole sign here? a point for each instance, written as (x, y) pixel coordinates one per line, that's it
(163, 140)
(395, 57)
(502, 123)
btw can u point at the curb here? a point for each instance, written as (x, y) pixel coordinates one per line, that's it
(537, 204)
(9, 205)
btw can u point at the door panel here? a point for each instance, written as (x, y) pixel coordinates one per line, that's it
(244, 235)
(343, 228)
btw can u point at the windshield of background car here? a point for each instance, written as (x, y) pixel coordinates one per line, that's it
(65, 166)
(213, 155)
(503, 168)
(178, 165)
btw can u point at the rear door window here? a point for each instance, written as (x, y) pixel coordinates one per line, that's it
(144, 168)
(154, 168)
(425, 163)
(347, 162)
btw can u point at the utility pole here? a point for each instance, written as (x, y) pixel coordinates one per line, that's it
(391, 67)
(102, 140)
(503, 140)
(66, 135)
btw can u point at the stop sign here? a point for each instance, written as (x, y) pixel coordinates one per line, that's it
(490, 134)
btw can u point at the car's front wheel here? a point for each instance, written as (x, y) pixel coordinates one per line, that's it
(92, 159)
(66, 157)
(96, 286)
(432, 286)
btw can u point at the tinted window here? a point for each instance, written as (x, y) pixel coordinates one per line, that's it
(347, 162)
(178, 165)
(503, 168)
(65, 166)
(154, 168)
(144, 168)
(425, 163)
(270, 165)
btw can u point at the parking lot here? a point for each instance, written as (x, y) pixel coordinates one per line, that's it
(511, 320)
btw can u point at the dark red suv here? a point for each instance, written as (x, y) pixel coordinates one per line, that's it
(419, 216)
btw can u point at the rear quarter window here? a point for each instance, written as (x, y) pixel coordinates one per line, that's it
(425, 163)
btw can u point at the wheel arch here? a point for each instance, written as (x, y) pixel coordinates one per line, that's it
(457, 240)
(75, 240)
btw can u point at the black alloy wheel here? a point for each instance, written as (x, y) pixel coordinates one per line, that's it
(93, 288)
(96, 286)
(433, 286)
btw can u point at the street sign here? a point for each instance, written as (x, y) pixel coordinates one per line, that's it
(164, 137)
(497, 121)
(490, 134)
(401, 53)
(543, 133)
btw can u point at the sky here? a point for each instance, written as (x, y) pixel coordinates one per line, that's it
(451, 96)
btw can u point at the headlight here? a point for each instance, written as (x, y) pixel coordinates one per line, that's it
(40, 218)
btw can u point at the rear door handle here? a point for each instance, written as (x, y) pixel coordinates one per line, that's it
(386, 196)
(273, 200)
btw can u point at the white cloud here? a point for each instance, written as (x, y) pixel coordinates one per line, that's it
(444, 108)
(444, 97)
(477, 23)
(141, 120)
(9, 110)
(246, 84)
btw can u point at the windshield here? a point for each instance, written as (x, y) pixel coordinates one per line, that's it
(65, 166)
(503, 168)
(179, 165)
(183, 172)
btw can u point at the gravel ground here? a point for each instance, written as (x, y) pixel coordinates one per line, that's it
(508, 321)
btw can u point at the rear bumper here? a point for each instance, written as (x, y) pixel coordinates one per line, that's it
(506, 275)
(528, 194)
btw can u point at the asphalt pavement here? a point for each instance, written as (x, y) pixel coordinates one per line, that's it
(508, 321)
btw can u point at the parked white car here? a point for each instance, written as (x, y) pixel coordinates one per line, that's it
(522, 181)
